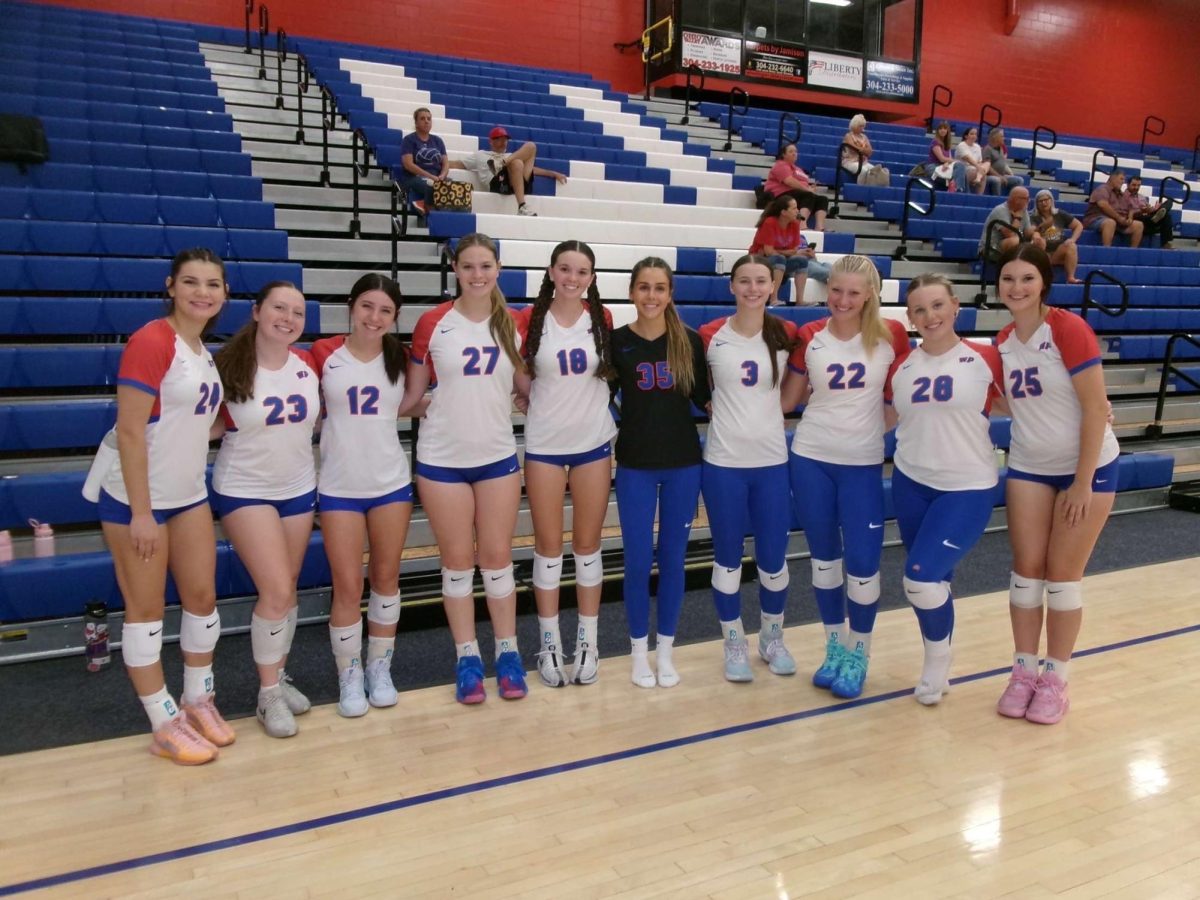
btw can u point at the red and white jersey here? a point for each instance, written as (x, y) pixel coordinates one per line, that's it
(1045, 409)
(746, 430)
(943, 401)
(469, 421)
(187, 394)
(361, 454)
(267, 449)
(843, 422)
(568, 404)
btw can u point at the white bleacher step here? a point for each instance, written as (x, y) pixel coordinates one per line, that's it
(623, 211)
(645, 192)
(307, 173)
(285, 132)
(264, 115)
(374, 252)
(309, 152)
(328, 197)
(321, 281)
(266, 101)
(338, 222)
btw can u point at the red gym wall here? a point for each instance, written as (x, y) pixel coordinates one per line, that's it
(1080, 66)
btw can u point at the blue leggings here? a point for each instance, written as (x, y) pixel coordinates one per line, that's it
(938, 529)
(673, 492)
(741, 500)
(841, 510)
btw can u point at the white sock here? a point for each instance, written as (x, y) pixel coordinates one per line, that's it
(588, 626)
(550, 638)
(506, 645)
(160, 707)
(269, 691)
(838, 631)
(733, 631)
(667, 676)
(379, 647)
(1028, 662)
(638, 654)
(936, 669)
(772, 627)
(1057, 666)
(859, 641)
(470, 648)
(197, 683)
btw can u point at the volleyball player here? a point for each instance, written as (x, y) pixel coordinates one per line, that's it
(661, 373)
(265, 483)
(944, 474)
(365, 489)
(1062, 475)
(836, 463)
(745, 472)
(154, 507)
(467, 471)
(568, 434)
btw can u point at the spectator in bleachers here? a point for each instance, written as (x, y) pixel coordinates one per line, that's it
(1060, 230)
(1015, 227)
(941, 165)
(857, 138)
(970, 154)
(787, 178)
(502, 172)
(1155, 218)
(1001, 179)
(423, 156)
(780, 240)
(1106, 212)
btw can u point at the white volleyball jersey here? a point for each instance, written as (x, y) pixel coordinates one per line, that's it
(266, 453)
(943, 402)
(746, 430)
(1045, 409)
(568, 404)
(469, 421)
(187, 394)
(843, 421)
(361, 454)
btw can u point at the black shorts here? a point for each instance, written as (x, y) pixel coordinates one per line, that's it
(500, 184)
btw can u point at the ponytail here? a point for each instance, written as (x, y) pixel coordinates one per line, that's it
(504, 330)
(680, 357)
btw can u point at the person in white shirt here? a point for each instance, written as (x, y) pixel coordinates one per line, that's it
(944, 473)
(501, 172)
(745, 471)
(265, 482)
(568, 442)
(1062, 475)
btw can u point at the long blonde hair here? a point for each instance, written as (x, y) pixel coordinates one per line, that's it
(679, 345)
(872, 326)
(500, 323)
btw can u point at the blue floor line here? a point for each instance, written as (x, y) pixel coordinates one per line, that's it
(254, 837)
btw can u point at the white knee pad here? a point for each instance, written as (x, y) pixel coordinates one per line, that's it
(726, 580)
(458, 582)
(775, 581)
(926, 594)
(547, 572)
(268, 640)
(1025, 593)
(383, 610)
(863, 591)
(141, 643)
(589, 569)
(1064, 596)
(198, 634)
(827, 573)
(498, 583)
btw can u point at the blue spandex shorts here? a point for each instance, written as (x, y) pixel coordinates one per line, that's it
(118, 513)
(569, 460)
(1103, 482)
(363, 505)
(223, 504)
(469, 474)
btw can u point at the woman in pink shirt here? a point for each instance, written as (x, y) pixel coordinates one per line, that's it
(788, 179)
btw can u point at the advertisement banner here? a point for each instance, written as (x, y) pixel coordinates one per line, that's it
(712, 53)
(834, 71)
(888, 79)
(776, 62)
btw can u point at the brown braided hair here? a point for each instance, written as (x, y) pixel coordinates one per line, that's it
(541, 305)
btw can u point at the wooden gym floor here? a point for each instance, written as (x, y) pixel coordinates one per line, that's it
(710, 789)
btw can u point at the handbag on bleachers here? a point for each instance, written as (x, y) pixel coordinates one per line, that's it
(452, 196)
(23, 141)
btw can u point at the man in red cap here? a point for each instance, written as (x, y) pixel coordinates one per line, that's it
(502, 172)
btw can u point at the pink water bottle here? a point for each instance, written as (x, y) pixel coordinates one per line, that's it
(5, 547)
(43, 538)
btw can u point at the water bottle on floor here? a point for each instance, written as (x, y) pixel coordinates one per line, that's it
(95, 635)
